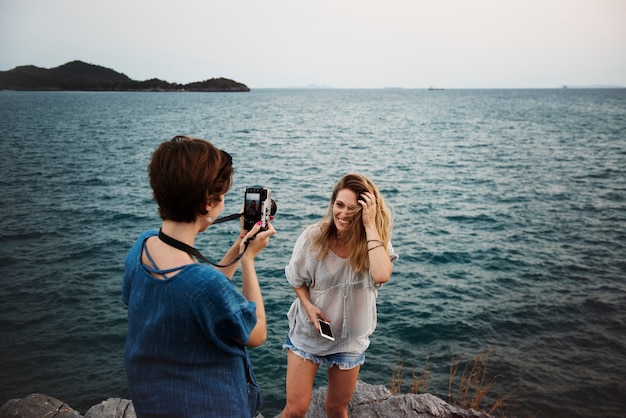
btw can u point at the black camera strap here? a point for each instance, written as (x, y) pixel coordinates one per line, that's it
(173, 242)
(227, 218)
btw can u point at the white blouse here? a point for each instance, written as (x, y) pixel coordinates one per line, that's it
(346, 298)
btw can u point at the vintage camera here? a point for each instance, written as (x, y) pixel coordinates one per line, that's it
(258, 206)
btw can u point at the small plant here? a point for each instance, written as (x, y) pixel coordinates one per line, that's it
(473, 385)
(395, 387)
(473, 382)
(418, 385)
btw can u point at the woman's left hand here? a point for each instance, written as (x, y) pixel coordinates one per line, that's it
(368, 215)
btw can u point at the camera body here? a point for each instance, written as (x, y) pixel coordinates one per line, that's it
(257, 207)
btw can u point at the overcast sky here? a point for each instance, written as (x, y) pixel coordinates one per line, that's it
(336, 43)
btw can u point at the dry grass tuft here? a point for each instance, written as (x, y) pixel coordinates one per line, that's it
(473, 383)
(420, 384)
(395, 387)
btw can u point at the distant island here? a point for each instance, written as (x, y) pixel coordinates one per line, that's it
(80, 76)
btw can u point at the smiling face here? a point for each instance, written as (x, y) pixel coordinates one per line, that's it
(344, 209)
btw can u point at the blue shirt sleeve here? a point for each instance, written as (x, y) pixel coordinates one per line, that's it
(221, 311)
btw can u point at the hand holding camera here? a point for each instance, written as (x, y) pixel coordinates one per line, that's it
(258, 206)
(258, 210)
(256, 239)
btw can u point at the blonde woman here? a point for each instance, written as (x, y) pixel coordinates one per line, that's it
(336, 269)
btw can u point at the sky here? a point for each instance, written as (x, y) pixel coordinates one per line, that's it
(333, 43)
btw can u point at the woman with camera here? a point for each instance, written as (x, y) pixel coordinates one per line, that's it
(336, 269)
(188, 326)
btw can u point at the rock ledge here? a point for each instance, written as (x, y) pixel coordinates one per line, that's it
(369, 401)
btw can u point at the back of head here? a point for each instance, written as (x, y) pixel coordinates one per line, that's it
(187, 173)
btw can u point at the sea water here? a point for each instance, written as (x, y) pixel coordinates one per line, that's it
(510, 223)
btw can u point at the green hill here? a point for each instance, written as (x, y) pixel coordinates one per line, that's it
(80, 76)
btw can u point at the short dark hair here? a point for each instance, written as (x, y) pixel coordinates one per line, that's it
(186, 174)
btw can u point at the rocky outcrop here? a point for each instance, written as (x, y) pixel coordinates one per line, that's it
(371, 401)
(368, 402)
(112, 408)
(37, 405)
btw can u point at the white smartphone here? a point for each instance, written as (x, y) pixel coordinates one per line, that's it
(325, 330)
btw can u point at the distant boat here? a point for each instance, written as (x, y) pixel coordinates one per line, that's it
(433, 88)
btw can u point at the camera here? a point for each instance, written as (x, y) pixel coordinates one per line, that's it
(258, 206)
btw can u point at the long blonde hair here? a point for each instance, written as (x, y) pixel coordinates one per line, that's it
(356, 238)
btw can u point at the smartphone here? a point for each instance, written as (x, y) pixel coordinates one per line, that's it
(325, 329)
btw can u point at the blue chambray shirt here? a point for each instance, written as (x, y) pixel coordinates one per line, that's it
(181, 357)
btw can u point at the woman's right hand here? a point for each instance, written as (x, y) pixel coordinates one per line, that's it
(256, 240)
(314, 313)
(250, 288)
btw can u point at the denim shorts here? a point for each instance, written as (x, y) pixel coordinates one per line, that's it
(345, 361)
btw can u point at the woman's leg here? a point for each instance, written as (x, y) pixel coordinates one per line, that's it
(300, 377)
(341, 385)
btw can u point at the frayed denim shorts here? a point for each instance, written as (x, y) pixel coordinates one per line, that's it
(345, 361)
